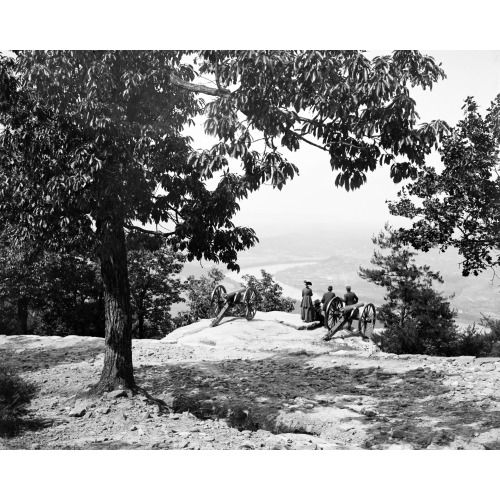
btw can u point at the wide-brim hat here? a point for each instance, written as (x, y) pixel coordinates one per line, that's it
(307, 282)
(316, 302)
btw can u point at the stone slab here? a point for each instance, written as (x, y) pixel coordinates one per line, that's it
(482, 361)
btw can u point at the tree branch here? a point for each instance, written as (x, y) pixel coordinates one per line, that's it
(302, 138)
(146, 231)
(194, 87)
(217, 77)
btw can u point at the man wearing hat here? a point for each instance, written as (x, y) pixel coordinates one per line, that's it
(306, 306)
(327, 297)
(350, 298)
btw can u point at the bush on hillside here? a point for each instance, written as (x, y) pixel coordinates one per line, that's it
(475, 342)
(414, 338)
(199, 292)
(470, 341)
(15, 395)
(269, 293)
(428, 327)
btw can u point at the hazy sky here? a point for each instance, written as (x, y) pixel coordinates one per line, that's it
(313, 197)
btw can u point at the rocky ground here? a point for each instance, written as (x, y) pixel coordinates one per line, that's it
(264, 384)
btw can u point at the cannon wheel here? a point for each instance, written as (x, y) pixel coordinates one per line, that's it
(367, 321)
(217, 300)
(333, 313)
(250, 301)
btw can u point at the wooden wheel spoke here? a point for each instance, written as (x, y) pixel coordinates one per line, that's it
(217, 300)
(333, 313)
(367, 320)
(250, 299)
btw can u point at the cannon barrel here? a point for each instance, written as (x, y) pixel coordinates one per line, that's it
(229, 296)
(222, 301)
(352, 306)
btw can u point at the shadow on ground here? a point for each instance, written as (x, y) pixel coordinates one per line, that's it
(21, 424)
(413, 407)
(37, 358)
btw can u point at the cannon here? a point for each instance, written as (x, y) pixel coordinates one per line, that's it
(221, 302)
(336, 316)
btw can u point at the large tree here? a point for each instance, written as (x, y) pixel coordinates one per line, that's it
(458, 205)
(94, 145)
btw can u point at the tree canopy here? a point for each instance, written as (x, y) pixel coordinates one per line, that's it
(459, 205)
(96, 135)
(90, 130)
(93, 145)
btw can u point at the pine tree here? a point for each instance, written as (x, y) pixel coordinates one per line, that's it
(418, 319)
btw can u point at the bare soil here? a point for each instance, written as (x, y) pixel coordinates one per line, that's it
(263, 384)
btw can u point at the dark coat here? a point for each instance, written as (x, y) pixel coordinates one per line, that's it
(326, 298)
(306, 306)
(318, 314)
(306, 297)
(350, 298)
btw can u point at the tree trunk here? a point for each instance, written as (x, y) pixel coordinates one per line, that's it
(76, 317)
(83, 323)
(22, 315)
(140, 326)
(118, 371)
(403, 316)
(100, 322)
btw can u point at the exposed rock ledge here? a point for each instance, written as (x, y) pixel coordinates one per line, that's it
(267, 331)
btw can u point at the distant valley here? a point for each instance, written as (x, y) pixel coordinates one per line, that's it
(334, 257)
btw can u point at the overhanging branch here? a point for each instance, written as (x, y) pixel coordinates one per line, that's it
(194, 87)
(312, 143)
(146, 231)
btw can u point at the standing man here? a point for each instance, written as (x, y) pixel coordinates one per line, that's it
(327, 297)
(350, 298)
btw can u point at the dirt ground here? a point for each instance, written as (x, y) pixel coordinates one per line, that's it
(264, 384)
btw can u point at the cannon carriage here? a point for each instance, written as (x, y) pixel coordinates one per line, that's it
(244, 299)
(337, 315)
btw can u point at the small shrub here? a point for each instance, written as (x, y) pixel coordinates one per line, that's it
(269, 293)
(8, 318)
(199, 291)
(415, 338)
(15, 395)
(474, 342)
